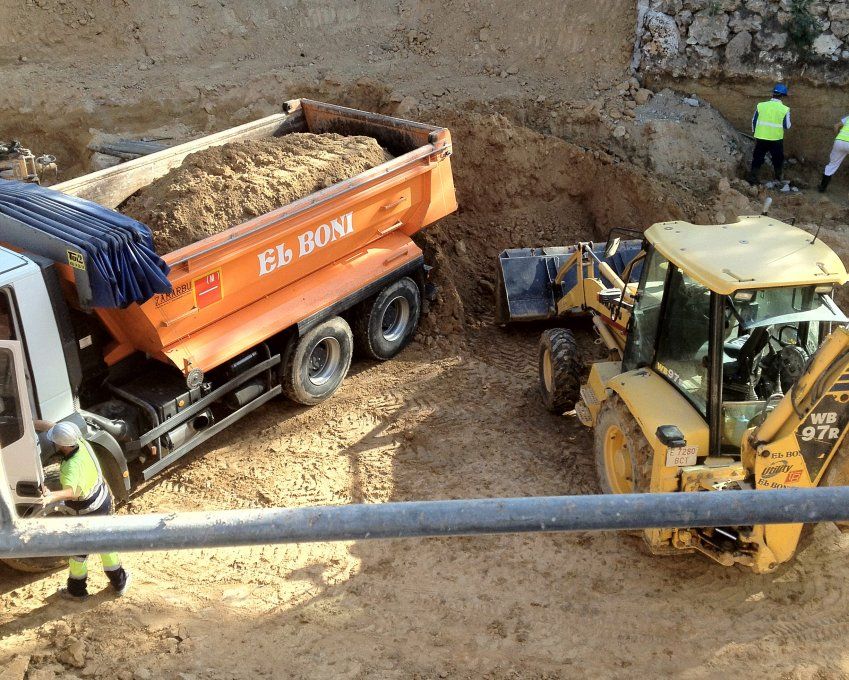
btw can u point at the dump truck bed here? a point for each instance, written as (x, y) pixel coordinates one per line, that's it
(236, 288)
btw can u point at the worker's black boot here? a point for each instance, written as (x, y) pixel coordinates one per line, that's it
(120, 579)
(77, 589)
(752, 178)
(824, 183)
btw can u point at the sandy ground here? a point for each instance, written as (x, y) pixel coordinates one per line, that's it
(551, 146)
(433, 424)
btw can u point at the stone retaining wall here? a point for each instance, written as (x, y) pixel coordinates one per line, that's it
(773, 39)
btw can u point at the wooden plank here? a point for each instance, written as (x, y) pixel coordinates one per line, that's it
(112, 186)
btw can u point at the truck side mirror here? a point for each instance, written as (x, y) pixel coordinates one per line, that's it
(612, 247)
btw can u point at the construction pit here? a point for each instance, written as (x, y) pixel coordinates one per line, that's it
(538, 161)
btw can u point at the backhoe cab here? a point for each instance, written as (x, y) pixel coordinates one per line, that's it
(729, 370)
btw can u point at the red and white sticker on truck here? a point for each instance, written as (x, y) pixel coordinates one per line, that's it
(307, 242)
(207, 289)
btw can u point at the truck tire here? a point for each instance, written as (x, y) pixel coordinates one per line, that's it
(41, 565)
(318, 362)
(623, 455)
(386, 323)
(560, 370)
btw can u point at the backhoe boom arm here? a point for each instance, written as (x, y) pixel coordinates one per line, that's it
(797, 441)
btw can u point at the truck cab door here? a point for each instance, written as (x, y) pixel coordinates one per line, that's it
(19, 449)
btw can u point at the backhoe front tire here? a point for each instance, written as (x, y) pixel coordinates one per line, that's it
(623, 456)
(317, 363)
(560, 370)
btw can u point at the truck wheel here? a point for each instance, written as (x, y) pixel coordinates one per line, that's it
(560, 370)
(623, 456)
(387, 322)
(40, 565)
(318, 362)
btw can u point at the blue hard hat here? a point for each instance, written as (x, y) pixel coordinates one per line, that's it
(781, 89)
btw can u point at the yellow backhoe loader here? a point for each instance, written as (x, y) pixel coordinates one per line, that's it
(728, 367)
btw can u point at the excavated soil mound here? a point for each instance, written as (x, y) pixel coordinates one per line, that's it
(217, 188)
(520, 188)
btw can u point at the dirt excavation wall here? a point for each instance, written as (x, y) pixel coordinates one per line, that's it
(731, 52)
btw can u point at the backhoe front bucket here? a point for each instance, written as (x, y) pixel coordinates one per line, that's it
(525, 290)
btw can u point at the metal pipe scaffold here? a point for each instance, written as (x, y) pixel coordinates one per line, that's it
(85, 535)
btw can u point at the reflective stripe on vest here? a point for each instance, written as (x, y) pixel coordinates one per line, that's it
(770, 125)
(843, 135)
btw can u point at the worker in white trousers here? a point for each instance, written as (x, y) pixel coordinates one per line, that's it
(838, 152)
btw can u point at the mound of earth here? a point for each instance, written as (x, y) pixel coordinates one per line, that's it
(220, 187)
(519, 188)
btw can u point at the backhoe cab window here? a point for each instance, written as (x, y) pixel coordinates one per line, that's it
(642, 332)
(770, 336)
(682, 349)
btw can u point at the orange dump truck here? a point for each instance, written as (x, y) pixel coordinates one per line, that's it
(155, 353)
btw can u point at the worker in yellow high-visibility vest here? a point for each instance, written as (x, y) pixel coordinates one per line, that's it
(839, 151)
(771, 120)
(84, 492)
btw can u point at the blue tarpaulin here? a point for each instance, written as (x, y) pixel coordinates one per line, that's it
(120, 260)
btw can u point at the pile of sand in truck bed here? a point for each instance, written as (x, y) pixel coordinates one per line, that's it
(226, 185)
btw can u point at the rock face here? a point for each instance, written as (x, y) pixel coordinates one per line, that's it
(709, 29)
(664, 35)
(738, 51)
(703, 38)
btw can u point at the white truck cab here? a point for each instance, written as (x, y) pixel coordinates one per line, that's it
(34, 372)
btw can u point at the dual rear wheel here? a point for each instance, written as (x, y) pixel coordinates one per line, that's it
(316, 363)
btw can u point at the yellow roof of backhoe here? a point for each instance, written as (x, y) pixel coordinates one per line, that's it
(755, 252)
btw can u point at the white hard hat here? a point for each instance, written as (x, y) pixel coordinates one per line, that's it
(64, 434)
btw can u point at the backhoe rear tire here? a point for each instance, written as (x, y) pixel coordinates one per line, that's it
(317, 363)
(560, 370)
(623, 455)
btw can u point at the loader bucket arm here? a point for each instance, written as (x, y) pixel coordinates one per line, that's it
(527, 287)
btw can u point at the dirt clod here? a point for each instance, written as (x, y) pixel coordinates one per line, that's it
(74, 653)
(217, 188)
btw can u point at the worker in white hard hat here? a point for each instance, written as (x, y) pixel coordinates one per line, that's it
(85, 492)
(839, 151)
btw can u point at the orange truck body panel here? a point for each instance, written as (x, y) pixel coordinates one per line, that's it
(243, 285)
